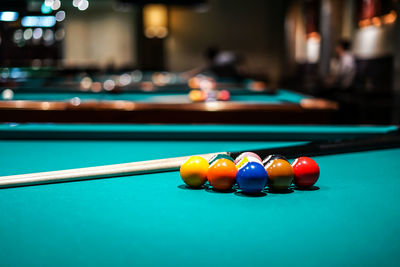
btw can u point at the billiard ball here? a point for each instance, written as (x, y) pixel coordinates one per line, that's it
(194, 171)
(222, 174)
(211, 95)
(252, 178)
(220, 156)
(194, 95)
(247, 159)
(197, 96)
(223, 95)
(267, 159)
(194, 82)
(203, 96)
(247, 154)
(306, 172)
(280, 174)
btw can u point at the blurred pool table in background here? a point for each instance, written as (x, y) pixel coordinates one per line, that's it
(50, 95)
(165, 106)
(154, 220)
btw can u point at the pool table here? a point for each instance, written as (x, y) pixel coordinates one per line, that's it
(154, 220)
(165, 106)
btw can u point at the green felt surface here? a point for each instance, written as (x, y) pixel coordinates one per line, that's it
(367, 129)
(146, 131)
(151, 220)
(280, 97)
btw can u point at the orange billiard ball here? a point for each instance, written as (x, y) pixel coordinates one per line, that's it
(222, 174)
(280, 174)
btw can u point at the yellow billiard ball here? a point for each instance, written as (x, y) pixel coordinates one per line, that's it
(194, 171)
(197, 96)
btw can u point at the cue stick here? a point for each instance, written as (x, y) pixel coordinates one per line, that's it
(321, 148)
(173, 164)
(105, 171)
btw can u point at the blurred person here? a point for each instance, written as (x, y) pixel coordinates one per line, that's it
(221, 64)
(342, 68)
(226, 64)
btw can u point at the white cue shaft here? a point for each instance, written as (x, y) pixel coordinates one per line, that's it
(114, 170)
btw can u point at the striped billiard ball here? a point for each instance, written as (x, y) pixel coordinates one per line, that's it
(247, 154)
(268, 158)
(220, 156)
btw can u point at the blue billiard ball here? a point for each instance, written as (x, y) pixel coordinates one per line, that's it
(252, 178)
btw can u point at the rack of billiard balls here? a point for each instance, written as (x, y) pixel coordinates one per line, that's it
(250, 173)
(197, 95)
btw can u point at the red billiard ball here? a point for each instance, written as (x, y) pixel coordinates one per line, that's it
(306, 172)
(223, 95)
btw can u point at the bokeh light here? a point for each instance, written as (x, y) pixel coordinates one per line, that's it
(28, 34)
(96, 87)
(83, 5)
(37, 33)
(109, 85)
(137, 76)
(59, 34)
(56, 5)
(86, 83)
(60, 15)
(124, 79)
(7, 94)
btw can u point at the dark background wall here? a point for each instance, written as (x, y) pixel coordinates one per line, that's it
(254, 30)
